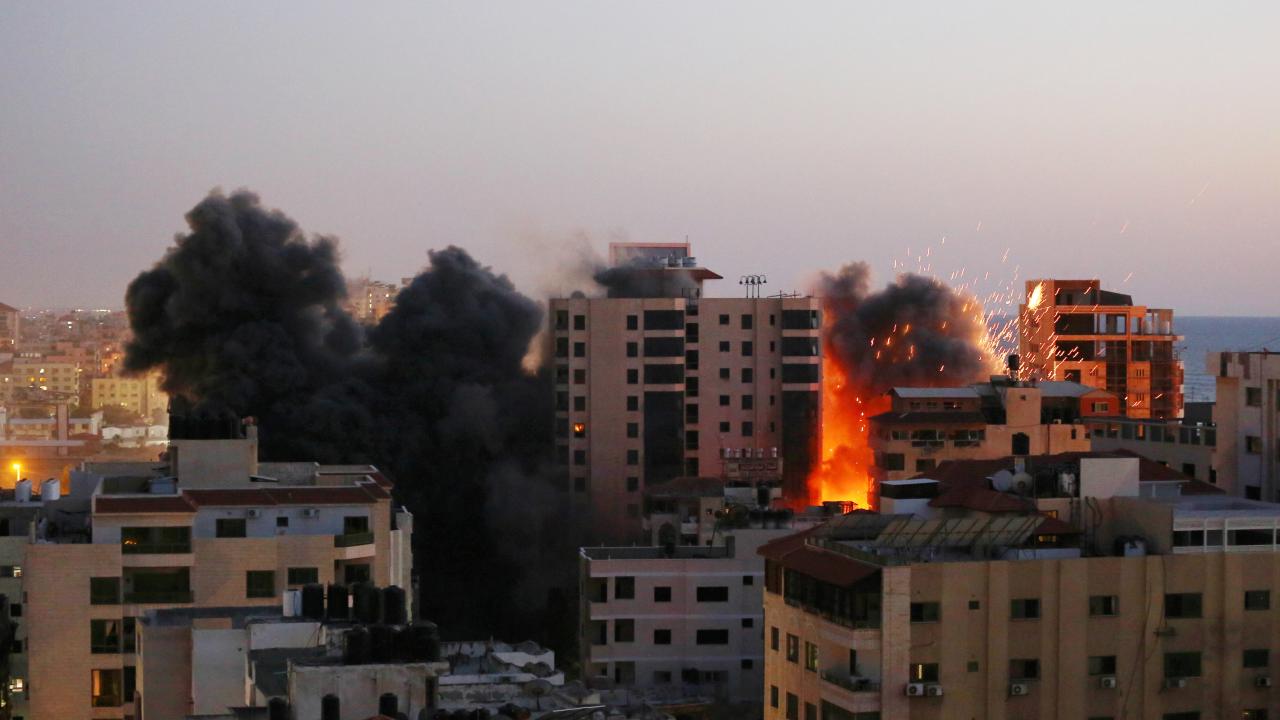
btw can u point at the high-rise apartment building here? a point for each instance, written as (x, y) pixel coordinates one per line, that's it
(1075, 330)
(210, 528)
(1139, 600)
(9, 326)
(1247, 413)
(657, 381)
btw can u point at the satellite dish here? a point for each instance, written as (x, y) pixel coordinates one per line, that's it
(1002, 481)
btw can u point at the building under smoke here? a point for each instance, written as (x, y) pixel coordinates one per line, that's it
(657, 381)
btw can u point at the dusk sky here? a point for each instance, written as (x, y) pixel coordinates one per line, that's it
(1112, 140)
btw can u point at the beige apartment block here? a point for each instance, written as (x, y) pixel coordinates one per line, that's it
(1247, 413)
(1075, 330)
(1140, 600)
(928, 426)
(131, 538)
(37, 373)
(141, 396)
(657, 381)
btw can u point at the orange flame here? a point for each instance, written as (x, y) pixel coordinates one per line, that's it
(847, 458)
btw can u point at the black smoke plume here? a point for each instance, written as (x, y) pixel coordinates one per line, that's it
(244, 317)
(915, 331)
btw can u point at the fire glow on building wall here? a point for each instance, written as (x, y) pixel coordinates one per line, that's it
(918, 332)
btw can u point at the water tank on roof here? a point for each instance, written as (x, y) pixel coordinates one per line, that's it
(1067, 484)
(291, 603)
(1002, 481)
(393, 605)
(313, 601)
(365, 603)
(330, 707)
(50, 490)
(382, 638)
(338, 607)
(22, 491)
(1023, 483)
(356, 649)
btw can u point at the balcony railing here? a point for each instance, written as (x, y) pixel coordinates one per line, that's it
(155, 548)
(353, 539)
(143, 597)
(850, 683)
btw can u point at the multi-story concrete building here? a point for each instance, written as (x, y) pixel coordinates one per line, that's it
(141, 395)
(1187, 446)
(369, 300)
(657, 381)
(1247, 413)
(927, 426)
(211, 527)
(10, 319)
(57, 377)
(682, 617)
(1075, 330)
(1139, 600)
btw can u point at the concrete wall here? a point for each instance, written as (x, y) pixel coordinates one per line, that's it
(358, 688)
(218, 660)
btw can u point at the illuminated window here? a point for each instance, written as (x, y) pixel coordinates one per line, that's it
(923, 672)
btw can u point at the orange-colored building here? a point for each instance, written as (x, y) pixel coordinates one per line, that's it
(1075, 330)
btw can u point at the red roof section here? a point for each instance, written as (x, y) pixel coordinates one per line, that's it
(795, 553)
(136, 505)
(980, 498)
(189, 500)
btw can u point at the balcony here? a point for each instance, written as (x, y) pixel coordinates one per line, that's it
(849, 682)
(141, 548)
(146, 597)
(353, 539)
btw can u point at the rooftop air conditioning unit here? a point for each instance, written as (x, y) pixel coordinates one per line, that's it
(915, 690)
(252, 513)
(933, 690)
(1262, 681)
(310, 512)
(1018, 689)
(1174, 683)
(1108, 682)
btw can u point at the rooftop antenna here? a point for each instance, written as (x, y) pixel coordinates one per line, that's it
(753, 283)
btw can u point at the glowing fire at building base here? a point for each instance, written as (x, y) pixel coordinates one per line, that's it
(845, 471)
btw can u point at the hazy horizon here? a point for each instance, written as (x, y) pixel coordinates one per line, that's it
(1134, 145)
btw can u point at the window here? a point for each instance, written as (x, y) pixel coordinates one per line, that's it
(893, 461)
(925, 612)
(926, 464)
(748, 580)
(811, 657)
(724, 373)
(748, 375)
(662, 593)
(1024, 609)
(1258, 714)
(579, 349)
(1253, 396)
(773, 638)
(746, 664)
(1101, 407)
(1103, 605)
(1102, 665)
(724, 319)
(662, 637)
(1257, 658)
(923, 672)
(1252, 444)
(260, 583)
(633, 484)
(747, 322)
(1024, 669)
(748, 402)
(624, 631)
(724, 401)
(713, 593)
(713, 637)
(748, 349)
(562, 347)
(1257, 599)
(624, 588)
(975, 605)
(810, 711)
(579, 377)
(633, 403)
(724, 346)
(579, 457)
(303, 575)
(579, 322)
(107, 687)
(579, 484)
(748, 623)
(748, 429)
(633, 322)
(661, 677)
(773, 696)
(793, 648)
(104, 636)
(580, 403)
(724, 426)
(1182, 605)
(229, 528)
(793, 707)
(104, 591)
(633, 457)
(1181, 664)
(130, 642)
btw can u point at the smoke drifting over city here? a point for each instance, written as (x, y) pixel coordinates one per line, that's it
(915, 331)
(244, 317)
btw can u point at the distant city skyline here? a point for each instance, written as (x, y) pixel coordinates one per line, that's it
(1077, 141)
